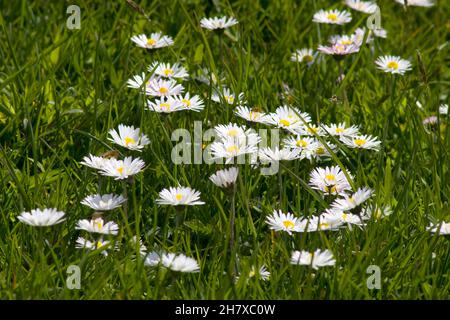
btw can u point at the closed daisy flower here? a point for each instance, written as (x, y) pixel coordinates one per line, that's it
(122, 169)
(251, 115)
(94, 162)
(314, 259)
(179, 263)
(332, 17)
(218, 23)
(179, 196)
(103, 202)
(368, 7)
(349, 202)
(42, 218)
(280, 221)
(165, 105)
(303, 55)
(417, 3)
(329, 180)
(97, 225)
(362, 142)
(129, 137)
(443, 228)
(163, 88)
(193, 103)
(168, 71)
(156, 40)
(393, 64)
(225, 178)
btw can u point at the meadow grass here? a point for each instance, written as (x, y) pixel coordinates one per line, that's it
(61, 91)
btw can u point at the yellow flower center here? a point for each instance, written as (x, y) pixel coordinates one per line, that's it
(120, 170)
(254, 115)
(332, 17)
(340, 130)
(301, 143)
(320, 150)
(233, 149)
(323, 225)
(285, 122)
(313, 130)
(164, 105)
(168, 72)
(163, 90)
(392, 65)
(346, 42)
(307, 58)
(330, 177)
(233, 132)
(360, 142)
(99, 244)
(344, 216)
(229, 99)
(129, 140)
(252, 273)
(178, 196)
(288, 224)
(151, 42)
(99, 224)
(186, 102)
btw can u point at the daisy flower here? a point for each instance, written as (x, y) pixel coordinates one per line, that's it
(417, 3)
(274, 155)
(349, 202)
(251, 115)
(156, 40)
(94, 162)
(319, 150)
(311, 130)
(122, 169)
(225, 178)
(339, 217)
(232, 147)
(443, 109)
(301, 143)
(368, 7)
(179, 263)
(303, 55)
(83, 243)
(193, 103)
(443, 228)
(103, 202)
(129, 137)
(227, 97)
(168, 105)
(376, 212)
(432, 120)
(341, 130)
(163, 88)
(314, 259)
(379, 32)
(179, 196)
(168, 71)
(288, 118)
(261, 273)
(42, 218)
(280, 221)
(137, 82)
(393, 64)
(218, 23)
(152, 259)
(97, 225)
(332, 17)
(362, 142)
(231, 130)
(329, 180)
